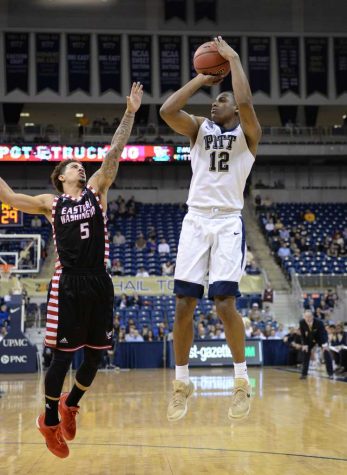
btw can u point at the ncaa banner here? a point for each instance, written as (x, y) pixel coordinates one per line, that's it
(340, 57)
(235, 43)
(259, 64)
(47, 61)
(109, 58)
(170, 57)
(140, 50)
(78, 62)
(316, 52)
(288, 60)
(17, 61)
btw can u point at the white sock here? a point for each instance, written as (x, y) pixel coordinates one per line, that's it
(182, 373)
(241, 370)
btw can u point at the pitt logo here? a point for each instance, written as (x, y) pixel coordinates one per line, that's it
(219, 142)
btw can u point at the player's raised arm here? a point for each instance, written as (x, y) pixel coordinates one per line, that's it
(40, 204)
(105, 176)
(243, 95)
(171, 111)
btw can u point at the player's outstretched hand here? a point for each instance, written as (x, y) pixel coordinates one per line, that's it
(210, 80)
(135, 98)
(224, 49)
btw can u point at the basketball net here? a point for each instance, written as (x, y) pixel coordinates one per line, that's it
(5, 272)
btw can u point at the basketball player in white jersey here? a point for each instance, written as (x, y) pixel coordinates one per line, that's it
(212, 240)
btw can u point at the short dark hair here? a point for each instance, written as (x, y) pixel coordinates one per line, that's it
(59, 170)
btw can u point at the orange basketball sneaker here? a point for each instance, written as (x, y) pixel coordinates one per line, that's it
(68, 417)
(53, 437)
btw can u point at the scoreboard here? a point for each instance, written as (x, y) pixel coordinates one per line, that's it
(10, 216)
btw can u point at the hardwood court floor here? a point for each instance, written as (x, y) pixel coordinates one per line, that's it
(295, 427)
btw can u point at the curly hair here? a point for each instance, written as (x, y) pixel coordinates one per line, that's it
(59, 170)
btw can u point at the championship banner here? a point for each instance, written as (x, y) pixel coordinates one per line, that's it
(56, 153)
(259, 64)
(47, 61)
(109, 57)
(316, 57)
(288, 59)
(170, 56)
(193, 44)
(175, 8)
(17, 61)
(205, 9)
(78, 62)
(340, 57)
(235, 43)
(140, 50)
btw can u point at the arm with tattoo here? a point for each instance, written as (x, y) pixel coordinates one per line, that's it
(105, 176)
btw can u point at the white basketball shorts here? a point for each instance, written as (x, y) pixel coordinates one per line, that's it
(212, 243)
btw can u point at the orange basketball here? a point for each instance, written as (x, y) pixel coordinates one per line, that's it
(207, 60)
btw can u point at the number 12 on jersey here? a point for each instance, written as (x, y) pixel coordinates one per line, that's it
(222, 162)
(84, 228)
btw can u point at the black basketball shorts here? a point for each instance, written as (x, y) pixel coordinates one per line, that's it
(79, 310)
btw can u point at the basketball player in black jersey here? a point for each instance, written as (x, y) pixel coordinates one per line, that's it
(80, 296)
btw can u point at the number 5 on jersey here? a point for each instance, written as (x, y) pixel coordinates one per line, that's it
(84, 227)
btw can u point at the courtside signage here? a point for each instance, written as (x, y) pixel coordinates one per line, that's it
(217, 353)
(56, 153)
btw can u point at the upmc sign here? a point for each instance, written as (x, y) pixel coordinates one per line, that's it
(217, 353)
(17, 354)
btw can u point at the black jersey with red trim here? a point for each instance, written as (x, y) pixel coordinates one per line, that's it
(79, 231)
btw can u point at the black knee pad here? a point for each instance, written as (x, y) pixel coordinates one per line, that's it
(57, 371)
(87, 371)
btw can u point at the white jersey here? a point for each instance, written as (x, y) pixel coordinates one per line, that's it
(221, 163)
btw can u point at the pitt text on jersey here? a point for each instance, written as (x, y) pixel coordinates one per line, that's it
(219, 142)
(77, 212)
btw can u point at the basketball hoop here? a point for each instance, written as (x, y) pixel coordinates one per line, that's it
(5, 272)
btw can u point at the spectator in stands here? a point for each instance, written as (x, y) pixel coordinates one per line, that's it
(330, 298)
(284, 251)
(248, 327)
(201, 332)
(36, 222)
(117, 267)
(267, 314)
(267, 202)
(142, 272)
(323, 311)
(268, 294)
(122, 209)
(133, 336)
(168, 268)
(119, 239)
(132, 211)
(147, 334)
(254, 314)
(151, 246)
(284, 234)
(270, 227)
(333, 250)
(163, 247)
(161, 332)
(309, 216)
(3, 332)
(112, 206)
(218, 335)
(258, 334)
(280, 332)
(4, 314)
(151, 232)
(273, 335)
(121, 336)
(123, 302)
(258, 203)
(136, 299)
(140, 243)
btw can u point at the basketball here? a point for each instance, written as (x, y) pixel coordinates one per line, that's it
(207, 60)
